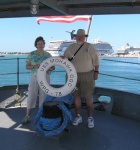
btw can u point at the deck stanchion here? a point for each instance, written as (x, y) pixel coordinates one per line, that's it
(17, 89)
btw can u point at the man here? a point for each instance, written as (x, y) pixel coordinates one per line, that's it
(86, 64)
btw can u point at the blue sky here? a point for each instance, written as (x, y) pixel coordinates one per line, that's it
(19, 34)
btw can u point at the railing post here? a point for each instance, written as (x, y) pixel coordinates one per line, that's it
(17, 90)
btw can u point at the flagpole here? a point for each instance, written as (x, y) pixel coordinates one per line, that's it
(88, 26)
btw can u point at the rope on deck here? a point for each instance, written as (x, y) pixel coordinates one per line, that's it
(53, 126)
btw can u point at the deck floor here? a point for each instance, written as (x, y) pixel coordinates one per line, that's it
(110, 133)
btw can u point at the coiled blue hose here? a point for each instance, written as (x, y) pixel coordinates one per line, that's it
(50, 127)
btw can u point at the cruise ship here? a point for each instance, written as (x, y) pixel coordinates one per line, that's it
(127, 49)
(103, 48)
(57, 48)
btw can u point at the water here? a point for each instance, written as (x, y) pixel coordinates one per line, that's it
(107, 70)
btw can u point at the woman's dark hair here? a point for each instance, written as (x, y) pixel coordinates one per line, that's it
(40, 38)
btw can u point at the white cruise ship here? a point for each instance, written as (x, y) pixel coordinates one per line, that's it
(127, 49)
(57, 48)
(103, 48)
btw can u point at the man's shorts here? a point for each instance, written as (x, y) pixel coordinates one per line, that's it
(85, 85)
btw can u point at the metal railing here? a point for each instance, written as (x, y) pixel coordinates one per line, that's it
(18, 71)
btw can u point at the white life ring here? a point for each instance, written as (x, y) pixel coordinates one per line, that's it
(71, 74)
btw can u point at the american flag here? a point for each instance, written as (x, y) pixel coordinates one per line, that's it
(63, 19)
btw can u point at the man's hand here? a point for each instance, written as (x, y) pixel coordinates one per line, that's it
(63, 57)
(95, 75)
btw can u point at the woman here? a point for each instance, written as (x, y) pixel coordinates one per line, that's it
(34, 59)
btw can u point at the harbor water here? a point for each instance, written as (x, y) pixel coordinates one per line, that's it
(114, 73)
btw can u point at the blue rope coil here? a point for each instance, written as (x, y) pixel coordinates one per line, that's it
(50, 127)
(50, 124)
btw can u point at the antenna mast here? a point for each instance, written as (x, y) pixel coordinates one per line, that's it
(88, 26)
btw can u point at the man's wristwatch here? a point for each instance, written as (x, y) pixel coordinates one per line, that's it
(96, 71)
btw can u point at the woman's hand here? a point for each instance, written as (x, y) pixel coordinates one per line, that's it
(52, 68)
(37, 66)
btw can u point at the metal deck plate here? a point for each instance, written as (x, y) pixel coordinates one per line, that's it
(110, 133)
